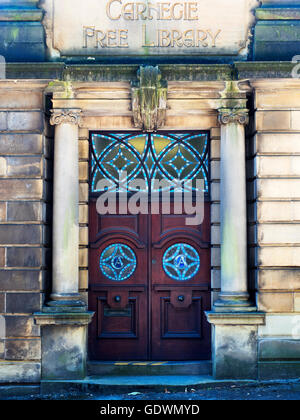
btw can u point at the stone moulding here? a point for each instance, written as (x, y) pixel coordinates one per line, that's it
(149, 99)
(75, 319)
(236, 318)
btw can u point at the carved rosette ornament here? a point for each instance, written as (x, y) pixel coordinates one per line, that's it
(65, 116)
(235, 116)
(149, 99)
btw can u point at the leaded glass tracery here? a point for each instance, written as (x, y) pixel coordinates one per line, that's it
(118, 262)
(148, 156)
(181, 262)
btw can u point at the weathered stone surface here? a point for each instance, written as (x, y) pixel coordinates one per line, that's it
(20, 280)
(83, 279)
(21, 99)
(297, 302)
(63, 352)
(235, 352)
(14, 144)
(283, 166)
(278, 188)
(273, 120)
(277, 143)
(279, 349)
(29, 167)
(275, 302)
(278, 256)
(20, 372)
(281, 325)
(24, 211)
(3, 166)
(20, 234)
(23, 349)
(21, 42)
(25, 121)
(2, 212)
(288, 279)
(278, 233)
(15, 189)
(2, 257)
(276, 38)
(278, 370)
(278, 211)
(23, 303)
(21, 326)
(2, 302)
(24, 257)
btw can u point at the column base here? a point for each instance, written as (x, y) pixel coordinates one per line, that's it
(65, 303)
(234, 352)
(64, 344)
(234, 302)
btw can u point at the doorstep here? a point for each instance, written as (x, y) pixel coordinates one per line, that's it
(126, 384)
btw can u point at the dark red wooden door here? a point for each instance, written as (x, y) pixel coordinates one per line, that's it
(150, 315)
(149, 274)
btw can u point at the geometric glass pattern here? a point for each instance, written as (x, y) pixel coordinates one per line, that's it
(118, 262)
(148, 156)
(181, 262)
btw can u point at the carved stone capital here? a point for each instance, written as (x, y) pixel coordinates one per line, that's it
(65, 116)
(236, 116)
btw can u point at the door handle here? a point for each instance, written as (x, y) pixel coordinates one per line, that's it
(180, 300)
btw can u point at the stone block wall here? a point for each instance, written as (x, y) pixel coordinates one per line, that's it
(276, 153)
(25, 167)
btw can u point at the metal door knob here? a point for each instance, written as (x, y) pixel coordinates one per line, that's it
(181, 298)
(117, 299)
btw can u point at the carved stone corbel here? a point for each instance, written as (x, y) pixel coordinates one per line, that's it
(149, 99)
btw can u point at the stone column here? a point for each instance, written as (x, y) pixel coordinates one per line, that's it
(234, 319)
(65, 318)
(234, 288)
(65, 210)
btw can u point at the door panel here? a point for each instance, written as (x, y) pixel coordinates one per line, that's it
(179, 326)
(119, 329)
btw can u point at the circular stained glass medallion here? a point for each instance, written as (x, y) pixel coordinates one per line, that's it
(118, 262)
(181, 262)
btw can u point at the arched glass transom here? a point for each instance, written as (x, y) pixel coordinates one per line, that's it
(149, 156)
(118, 262)
(181, 262)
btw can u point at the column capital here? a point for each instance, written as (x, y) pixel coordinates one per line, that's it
(236, 116)
(65, 116)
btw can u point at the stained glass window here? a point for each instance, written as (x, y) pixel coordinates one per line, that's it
(148, 156)
(118, 262)
(181, 262)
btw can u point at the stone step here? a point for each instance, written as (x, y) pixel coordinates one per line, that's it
(194, 368)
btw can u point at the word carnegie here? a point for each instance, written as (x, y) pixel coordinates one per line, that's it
(183, 29)
(149, 11)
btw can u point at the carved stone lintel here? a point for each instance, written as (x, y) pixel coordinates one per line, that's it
(65, 116)
(149, 99)
(236, 116)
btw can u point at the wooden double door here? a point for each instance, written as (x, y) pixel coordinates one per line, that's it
(149, 287)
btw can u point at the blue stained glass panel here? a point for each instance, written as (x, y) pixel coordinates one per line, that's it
(180, 156)
(118, 262)
(181, 262)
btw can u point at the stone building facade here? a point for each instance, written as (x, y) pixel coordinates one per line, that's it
(50, 105)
